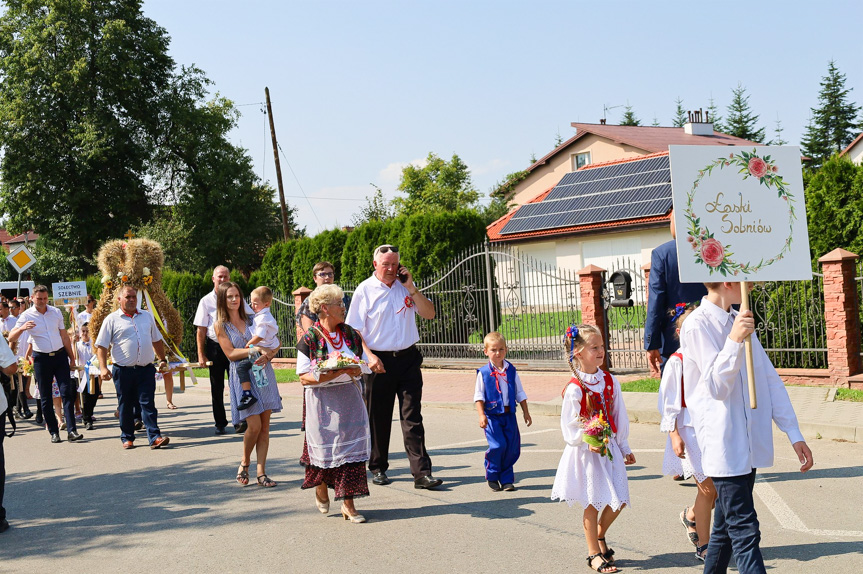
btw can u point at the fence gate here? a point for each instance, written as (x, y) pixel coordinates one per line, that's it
(625, 325)
(497, 288)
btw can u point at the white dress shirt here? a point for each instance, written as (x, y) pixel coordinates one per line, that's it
(479, 387)
(382, 317)
(265, 327)
(671, 399)
(205, 316)
(82, 317)
(734, 439)
(129, 338)
(10, 322)
(45, 336)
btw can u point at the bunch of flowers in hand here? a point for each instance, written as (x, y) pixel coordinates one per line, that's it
(597, 433)
(25, 367)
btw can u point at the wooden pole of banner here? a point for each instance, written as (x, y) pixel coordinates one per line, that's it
(747, 347)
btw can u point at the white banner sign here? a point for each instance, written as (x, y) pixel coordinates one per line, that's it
(69, 290)
(739, 213)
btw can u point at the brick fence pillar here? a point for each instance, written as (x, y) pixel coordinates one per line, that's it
(592, 311)
(300, 295)
(646, 269)
(841, 311)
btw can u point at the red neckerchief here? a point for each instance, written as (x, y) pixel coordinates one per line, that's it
(497, 375)
(130, 316)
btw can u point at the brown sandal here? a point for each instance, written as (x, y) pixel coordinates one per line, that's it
(243, 475)
(266, 481)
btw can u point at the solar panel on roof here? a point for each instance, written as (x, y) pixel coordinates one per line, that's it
(640, 188)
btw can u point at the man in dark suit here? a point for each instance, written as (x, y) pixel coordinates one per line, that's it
(664, 292)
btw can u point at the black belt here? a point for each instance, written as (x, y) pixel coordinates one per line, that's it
(51, 354)
(133, 366)
(395, 353)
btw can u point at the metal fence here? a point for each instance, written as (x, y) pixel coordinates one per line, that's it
(790, 322)
(625, 325)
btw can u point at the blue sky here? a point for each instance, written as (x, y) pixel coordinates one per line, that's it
(361, 89)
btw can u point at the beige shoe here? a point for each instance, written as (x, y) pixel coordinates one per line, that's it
(323, 505)
(354, 518)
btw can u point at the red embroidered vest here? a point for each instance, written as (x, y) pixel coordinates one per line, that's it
(605, 397)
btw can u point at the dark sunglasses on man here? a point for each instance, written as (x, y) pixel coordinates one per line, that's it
(386, 249)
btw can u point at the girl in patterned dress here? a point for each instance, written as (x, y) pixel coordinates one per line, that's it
(682, 453)
(585, 476)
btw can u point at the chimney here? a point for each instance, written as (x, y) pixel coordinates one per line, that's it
(699, 123)
(602, 122)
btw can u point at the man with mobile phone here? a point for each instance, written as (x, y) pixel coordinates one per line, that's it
(383, 311)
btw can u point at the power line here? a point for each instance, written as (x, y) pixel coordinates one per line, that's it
(300, 185)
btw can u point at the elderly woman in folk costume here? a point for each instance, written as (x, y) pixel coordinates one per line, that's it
(337, 442)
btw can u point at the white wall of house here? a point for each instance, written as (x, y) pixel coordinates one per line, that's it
(855, 154)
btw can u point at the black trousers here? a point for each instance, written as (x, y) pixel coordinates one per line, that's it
(218, 372)
(402, 379)
(22, 394)
(88, 399)
(47, 367)
(2, 468)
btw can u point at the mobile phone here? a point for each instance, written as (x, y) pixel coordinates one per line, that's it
(402, 277)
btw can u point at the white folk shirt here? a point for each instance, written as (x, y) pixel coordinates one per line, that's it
(205, 316)
(670, 404)
(45, 336)
(9, 322)
(130, 338)
(734, 439)
(265, 327)
(479, 388)
(381, 316)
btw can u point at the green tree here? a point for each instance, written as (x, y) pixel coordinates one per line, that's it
(741, 122)
(714, 116)
(834, 206)
(655, 122)
(680, 117)
(438, 186)
(169, 228)
(377, 208)
(79, 103)
(777, 134)
(834, 122)
(629, 118)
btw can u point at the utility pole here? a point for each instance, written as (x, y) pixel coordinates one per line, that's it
(278, 168)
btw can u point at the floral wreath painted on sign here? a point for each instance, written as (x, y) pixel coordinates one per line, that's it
(709, 250)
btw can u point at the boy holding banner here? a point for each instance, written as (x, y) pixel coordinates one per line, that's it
(740, 215)
(735, 440)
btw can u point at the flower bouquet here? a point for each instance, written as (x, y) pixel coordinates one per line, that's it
(597, 433)
(25, 367)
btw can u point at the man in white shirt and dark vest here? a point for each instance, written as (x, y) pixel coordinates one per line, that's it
(132, 336)
(383, 311)
(52, 359)
(209, 349)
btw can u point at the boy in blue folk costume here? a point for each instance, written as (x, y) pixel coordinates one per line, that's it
(498, 389)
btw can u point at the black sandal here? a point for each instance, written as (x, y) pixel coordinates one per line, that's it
(243, 475)
(693, 536)
(266, 481)
(609, 552)
(603, 567)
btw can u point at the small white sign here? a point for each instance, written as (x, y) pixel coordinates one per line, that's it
(69, 290)
(739, 213)
(21, 259)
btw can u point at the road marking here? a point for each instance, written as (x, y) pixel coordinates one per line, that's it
(483, 441)
(787, 518)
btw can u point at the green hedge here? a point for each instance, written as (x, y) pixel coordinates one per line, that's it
(426, 243)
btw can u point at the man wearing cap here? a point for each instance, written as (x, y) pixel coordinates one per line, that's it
(52, 357)
(132, 336)
(383, 311)
(209, 349)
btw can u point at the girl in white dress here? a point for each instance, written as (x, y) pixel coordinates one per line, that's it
(682, 453)
(584, 475)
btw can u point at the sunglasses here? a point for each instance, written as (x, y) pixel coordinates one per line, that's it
(387, 249)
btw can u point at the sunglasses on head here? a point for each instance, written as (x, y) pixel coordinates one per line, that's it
(387, 249)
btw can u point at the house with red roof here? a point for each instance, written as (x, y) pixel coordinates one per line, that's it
(854, 151)
(12, 243)
(601, 196)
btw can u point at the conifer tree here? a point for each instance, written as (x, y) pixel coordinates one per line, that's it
(629, 118)
(714, 116)
(742, 123)
(679, 114)
(834, 122)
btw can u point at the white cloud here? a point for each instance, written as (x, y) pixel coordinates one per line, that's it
(389, 177)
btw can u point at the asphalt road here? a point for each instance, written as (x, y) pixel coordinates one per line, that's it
(93, 507)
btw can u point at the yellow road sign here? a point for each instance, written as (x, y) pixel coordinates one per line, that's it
(21, 259)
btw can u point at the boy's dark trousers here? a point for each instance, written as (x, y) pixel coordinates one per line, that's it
(504, 447)
(735, 527)
(88, 400)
